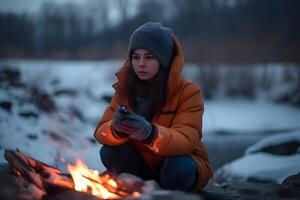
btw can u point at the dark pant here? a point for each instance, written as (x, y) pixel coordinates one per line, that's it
(176, 173)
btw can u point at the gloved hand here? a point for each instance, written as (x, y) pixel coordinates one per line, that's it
(117, 127)
(136, 126)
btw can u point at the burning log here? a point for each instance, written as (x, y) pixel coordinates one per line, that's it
(103, 185)
(52, 181)
(45, 177)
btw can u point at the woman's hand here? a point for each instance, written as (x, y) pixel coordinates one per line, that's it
(129, 123)
(137, 127)
(117, 127)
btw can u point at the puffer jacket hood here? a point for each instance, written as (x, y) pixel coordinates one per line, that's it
(174, 78)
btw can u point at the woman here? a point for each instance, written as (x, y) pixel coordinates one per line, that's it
(153, 126)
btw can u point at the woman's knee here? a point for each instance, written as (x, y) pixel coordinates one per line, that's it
(110, 153)
(178, 172)
(123, 158)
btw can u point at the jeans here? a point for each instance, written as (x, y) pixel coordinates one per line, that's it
(176, 172)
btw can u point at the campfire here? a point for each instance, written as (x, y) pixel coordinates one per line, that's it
(51, 180)
(103, 186)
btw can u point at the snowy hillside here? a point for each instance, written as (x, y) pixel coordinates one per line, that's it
(66, 131)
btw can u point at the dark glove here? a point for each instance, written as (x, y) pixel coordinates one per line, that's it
(117, 127)
(136, 126)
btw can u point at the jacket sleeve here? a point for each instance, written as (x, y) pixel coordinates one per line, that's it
(185, 132)
(103, 132)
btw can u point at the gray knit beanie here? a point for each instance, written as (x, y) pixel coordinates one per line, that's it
(155, 38)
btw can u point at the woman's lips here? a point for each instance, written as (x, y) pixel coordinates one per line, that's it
(142, 73)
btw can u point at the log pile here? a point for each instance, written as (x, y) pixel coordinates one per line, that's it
(51, 183)
(45, 177)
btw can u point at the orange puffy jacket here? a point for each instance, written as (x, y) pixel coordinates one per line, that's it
(178, 126)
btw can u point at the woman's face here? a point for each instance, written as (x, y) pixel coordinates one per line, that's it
(144, 64)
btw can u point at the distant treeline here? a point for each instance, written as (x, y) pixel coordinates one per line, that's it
(210, 30)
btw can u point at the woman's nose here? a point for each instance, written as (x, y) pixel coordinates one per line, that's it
(142, 63)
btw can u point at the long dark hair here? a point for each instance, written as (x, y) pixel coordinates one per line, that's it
(157, 89)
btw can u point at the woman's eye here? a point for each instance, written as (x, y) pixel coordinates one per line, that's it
(149, 57)
(135, 57)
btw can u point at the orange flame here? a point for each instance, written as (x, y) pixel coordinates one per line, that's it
(87, 180)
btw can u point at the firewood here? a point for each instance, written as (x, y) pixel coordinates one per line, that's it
(51, 180)
(45, 177)
(22, 166)
(110, 188)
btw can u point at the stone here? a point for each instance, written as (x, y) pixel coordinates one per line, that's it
(290, 187)
(106, 98)
(6, 105)
(66, 92)
(70, 194)
(28, 114)
(12, 76)
(14, 188)
(32, 136)
(170, 195)
(287, 148)
(42, 100)
(129, 182)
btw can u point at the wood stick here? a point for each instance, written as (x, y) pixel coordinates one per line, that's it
(42, 175)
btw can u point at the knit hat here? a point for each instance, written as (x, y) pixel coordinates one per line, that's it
(155, 38)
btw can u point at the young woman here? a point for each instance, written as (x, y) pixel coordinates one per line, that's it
(153, 126)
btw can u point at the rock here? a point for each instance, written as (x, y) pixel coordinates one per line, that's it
(55, 81)
(150, 186)
(6, 105)
(17, 188)
(290, 187)
(92, 140)
(70, 194)
(28, 114)
(242, 190)
(267, 191)
(32, 136)
(59, 138)
(106, 98)
(12, 76)
(286, 148)
(296, 98)
(67, 92)
(77, 113)
(42, 100)
(5, 168)
(215, 192)
(170, 195)
(129, 182)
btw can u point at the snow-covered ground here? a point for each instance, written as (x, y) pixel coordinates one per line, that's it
(266, 166)
(58, 136)
(67, 133)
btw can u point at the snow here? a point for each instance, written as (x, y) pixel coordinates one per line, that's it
(62, 137)
(264, 166)
(71, 138)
